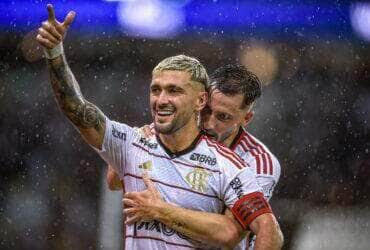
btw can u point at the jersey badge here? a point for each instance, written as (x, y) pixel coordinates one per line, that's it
(198, 179)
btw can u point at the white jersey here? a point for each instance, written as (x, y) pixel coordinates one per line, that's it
(206, 176)
(265, 165)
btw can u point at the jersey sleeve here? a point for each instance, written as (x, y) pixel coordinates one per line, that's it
(268, 181)
(117, 138)
(236, 183)
(243, 195)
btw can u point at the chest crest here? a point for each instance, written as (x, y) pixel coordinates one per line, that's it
(198, 179)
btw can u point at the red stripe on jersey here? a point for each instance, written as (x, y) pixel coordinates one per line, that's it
(193, 166)
(247, 143)
(243, 145)
(176, 161)
(229, 155)
(266, 157)
(173, 186)
(264, 163)
(253, 145)
(228, 151)
(271, 170)
(258, 163)
(254, 152)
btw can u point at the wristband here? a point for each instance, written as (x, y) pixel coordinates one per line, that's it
(54, 52)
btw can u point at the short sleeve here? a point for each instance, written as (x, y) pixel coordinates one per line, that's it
(268, 181)
(238, 182)
(243, 195)
(117, 138)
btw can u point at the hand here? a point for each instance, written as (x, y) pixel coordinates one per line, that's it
(142, 206)
(52, 32)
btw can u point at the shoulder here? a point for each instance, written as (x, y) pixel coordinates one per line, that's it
(222, 154)
(258, 156)
(120, 131)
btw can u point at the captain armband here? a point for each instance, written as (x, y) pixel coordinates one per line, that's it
(250, 206)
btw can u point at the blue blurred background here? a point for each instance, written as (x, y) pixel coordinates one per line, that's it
(312, 56)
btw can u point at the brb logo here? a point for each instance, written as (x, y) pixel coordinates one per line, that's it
(203, 158)
(198, 179)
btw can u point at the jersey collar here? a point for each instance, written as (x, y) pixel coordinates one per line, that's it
(182, 152)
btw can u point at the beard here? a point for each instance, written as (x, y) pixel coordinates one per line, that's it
(176, 123)
(166, 129)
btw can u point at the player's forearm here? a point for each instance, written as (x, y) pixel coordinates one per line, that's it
(83, 114)
(209, 228)
(269, 240)
(269, 236)
(66, 89)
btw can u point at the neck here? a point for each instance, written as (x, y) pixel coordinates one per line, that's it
(231, 138)
(182, 138)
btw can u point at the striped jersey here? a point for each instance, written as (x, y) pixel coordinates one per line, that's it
(206, 177)
(265, 165)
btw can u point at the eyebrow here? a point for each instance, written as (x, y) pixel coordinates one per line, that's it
(224, 113)
(169, 85)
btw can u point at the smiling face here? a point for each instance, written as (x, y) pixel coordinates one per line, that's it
(174, 100)
(223, 116)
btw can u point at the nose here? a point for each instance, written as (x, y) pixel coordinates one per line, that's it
(163, 98)
(208, 121)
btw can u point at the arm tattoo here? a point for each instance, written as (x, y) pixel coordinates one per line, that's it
(82, 113)
(88, 116)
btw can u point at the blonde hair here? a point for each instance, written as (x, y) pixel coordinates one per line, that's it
(187, 64)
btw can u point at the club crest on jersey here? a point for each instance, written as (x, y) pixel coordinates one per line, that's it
(146, 165)
(198, 179)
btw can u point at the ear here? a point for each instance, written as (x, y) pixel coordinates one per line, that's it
(248, 118)
(202, 100)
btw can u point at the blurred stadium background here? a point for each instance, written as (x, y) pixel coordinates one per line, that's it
(313, 58)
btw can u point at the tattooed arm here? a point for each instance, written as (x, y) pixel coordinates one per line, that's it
(86, 117)
(209, 228)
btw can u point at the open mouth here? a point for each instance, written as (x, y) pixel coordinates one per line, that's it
(165, 112)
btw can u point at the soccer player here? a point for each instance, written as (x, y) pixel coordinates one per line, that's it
(233, 92)
(177, 95)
